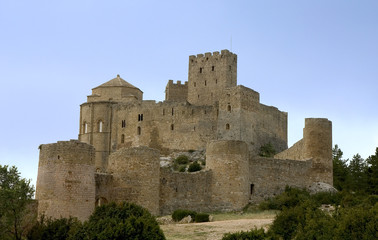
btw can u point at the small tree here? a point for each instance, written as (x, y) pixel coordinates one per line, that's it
(194, 167)
(15, 195)
(267, 150)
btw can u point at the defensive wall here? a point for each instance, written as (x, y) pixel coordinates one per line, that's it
(66, 183)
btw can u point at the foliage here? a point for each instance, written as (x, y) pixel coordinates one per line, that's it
(255, 234)
(194, 167)
(182, 159)
(15, 196)
(201, 217)
(179, 214)
(57, 229)
(120, 221)
(357, 175)
(267, 150)
(291, 197)
(182, 169)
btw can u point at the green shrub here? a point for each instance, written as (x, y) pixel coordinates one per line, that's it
(201, 217)
(194, 167)
(191, 151)
(182, 169)
(290, 198)
(267, 150)
(182, 159)
(254, 234)
(179, 214)
(119, 221)
(49, 229)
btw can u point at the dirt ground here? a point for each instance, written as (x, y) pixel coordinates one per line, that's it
(211, 230)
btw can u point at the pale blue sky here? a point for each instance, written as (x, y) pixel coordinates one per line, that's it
(309, 58)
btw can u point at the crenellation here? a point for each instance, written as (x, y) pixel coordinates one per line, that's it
(122, 138)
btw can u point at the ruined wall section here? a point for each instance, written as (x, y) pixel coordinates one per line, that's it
(184, 191)
(209, 74)
(295, 152)
(166, 126)
(66, 182)
(316, 145)
(176, 92)
(229, 162)
(136, 176)
(95, 128)
(269, 177)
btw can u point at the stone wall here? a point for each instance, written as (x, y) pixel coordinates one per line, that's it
(66, 183)
(176, 92)
(186, 190)
(228, 160)
(269, 177)
(295, 152)
(136, 175)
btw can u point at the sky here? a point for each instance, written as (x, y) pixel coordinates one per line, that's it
(315, 58)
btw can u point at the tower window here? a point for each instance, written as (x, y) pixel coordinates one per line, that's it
(200, 70)
(100, 126)
(212, 68)
(216, 81)
(172, 127)
(139, 131)
(123, 123)
(205, 83)
(230, 67)
(195, 84)
(198, 96)
(163, 112)
(172, 112)
(252, 188)
(123, 138)
(229, 108)
(140, 117)
(85, 127)
(227, 126)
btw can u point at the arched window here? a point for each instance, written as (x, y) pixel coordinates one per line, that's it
(123, 138)
(139, 131)
(227, 126)
(100, 126)
(123, 123)
(85, 127)
(172, 127)
(229, 108)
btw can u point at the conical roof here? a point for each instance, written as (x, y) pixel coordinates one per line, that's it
(116, 82)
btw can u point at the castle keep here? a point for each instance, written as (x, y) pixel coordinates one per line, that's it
(123, 139)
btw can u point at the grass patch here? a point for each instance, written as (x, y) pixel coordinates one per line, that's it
(258, 214)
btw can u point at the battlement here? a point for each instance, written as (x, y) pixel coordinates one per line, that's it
(176, 91)
(208, 55)
(170, 82)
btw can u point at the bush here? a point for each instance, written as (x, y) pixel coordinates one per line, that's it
(290, 198)
(181, 213)
(182, 169)
(267, 150)
(255, 234)
(201, 217)
(49, 229)
(119, 221)
(182, 159)
(194, 167)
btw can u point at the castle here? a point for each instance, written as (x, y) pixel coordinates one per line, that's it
(123, 137)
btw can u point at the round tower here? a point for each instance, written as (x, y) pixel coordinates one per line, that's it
(136, 176)
(317, 136)
(228, 160)
(66, 182)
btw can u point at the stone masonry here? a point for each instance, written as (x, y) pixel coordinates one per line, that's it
(122, 138)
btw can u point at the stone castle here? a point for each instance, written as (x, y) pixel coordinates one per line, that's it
(123, 137)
